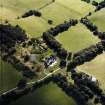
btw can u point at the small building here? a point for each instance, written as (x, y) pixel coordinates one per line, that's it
(93, 79)
(50, 61)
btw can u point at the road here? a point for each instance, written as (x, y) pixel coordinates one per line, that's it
(30, 83)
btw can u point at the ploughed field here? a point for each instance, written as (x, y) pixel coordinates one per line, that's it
(75, 39)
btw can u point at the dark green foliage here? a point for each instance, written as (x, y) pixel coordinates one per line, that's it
(32, 13)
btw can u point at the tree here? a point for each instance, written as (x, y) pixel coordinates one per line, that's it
(94, 3)
(50, 22)
(96, 100)
(63, 63)
(22, 83)
(26, 58)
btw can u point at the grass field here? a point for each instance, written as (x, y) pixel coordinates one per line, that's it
(9, 77)
(46, 95)
(98, 19)
(98, 0)
(77, 38)
(34, 26)
(74, 40)
(10, 9)
(63, 10)
(96, 68)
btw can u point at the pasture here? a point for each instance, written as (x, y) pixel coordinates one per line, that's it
(98, 19)
(9, 76)
(75, 39)
(59, 11)
(96, 68)
(48, 94)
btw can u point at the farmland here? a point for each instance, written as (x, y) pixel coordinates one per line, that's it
(41, 94)
(77, 38)
(99, 19)
(10, 7)
(35, 26)
(96, 68)
(74, 39)
(9, 77)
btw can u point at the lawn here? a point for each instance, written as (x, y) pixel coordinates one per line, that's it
(77, 38)
(46, 95)
(96, 68)
(98, 19)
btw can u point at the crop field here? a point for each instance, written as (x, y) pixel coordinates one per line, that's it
(76, 38)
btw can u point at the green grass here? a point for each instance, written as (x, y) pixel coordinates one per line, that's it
(77, 38)
(9, 76)
(13, 8)
(97, 0)
(63, 10)
(58, 12)
(98, 19)
(33, 26)
(46, 95)
(21, 6)
(74, 40)
(96, 68)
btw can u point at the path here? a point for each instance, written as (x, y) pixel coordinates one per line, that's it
(30, 83)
